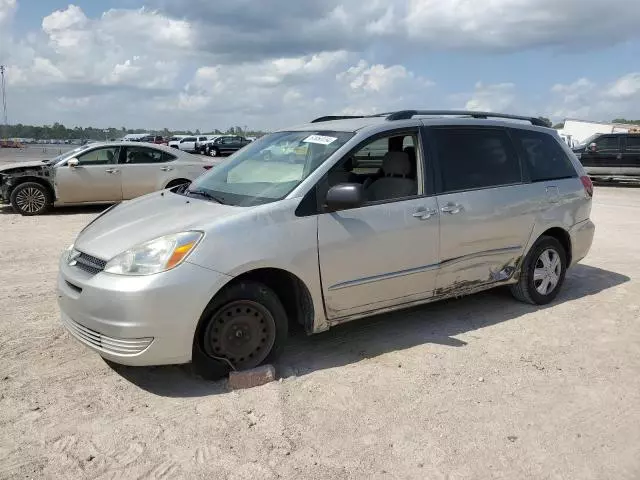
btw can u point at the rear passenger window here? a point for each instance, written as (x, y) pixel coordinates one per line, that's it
(546, 159)
(633, 143)
(476, 158)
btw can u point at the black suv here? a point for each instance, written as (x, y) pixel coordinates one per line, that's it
(223, 145)
(611, 155)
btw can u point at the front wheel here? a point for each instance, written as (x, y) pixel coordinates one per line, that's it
(543, 273)
(30, 198)
(214, 152)
(243, 327)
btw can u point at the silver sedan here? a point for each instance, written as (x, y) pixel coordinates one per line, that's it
(97, 173)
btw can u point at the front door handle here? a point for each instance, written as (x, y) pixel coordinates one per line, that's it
(424, 214)
(112, 171)
(166, 169)
(452, 208)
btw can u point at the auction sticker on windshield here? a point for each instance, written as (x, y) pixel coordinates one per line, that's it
(320, 139)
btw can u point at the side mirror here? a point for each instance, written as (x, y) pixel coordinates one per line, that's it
(73, 162)
(344, 196)
(593, 147)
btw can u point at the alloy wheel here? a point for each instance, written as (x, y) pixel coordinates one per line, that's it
(31, 200)
(547, 272)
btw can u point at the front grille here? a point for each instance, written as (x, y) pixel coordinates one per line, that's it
(115, 346)
(90, 264)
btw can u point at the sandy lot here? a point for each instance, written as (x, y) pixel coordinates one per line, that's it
(482, 387)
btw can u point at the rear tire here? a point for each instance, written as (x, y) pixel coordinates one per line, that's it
(543, 273)
(31, 198)
(245, 325)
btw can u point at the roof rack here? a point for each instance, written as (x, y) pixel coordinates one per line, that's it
(407, 114)
(328, 118)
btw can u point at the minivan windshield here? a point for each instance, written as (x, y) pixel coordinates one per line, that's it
(269, 168)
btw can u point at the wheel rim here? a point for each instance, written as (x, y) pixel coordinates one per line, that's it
(547, 272)
(214, 153)
(31, 200)
(242, 332)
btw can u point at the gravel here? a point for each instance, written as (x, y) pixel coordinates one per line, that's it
(482, 387)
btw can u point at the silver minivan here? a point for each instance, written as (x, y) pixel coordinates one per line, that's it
(327, 222)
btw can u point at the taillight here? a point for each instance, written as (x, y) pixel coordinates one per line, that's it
(207, 167)
(587, 184)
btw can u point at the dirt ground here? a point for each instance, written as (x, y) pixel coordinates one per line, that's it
(482, 387)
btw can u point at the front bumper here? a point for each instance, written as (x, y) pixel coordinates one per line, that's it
(581, 239)
(147, 320)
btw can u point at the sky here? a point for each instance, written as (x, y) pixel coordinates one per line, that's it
(207, 64)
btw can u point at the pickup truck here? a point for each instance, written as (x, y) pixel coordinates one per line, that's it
(611, 156)
(224, 145)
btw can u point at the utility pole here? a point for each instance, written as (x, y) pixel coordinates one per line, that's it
(4, 100)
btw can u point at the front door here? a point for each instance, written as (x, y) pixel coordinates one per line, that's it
(384, 253)
(607, 157)
(144, 170)
(486, 214)
(96, 178)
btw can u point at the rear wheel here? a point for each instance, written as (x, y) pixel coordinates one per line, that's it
(31, 198)
(243, 327)
(543, 272)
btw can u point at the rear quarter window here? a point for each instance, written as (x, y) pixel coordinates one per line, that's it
(544, 158)
(633, 143)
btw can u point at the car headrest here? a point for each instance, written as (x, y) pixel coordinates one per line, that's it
(396, 164)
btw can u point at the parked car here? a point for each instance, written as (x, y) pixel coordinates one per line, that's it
(189, 144)
(175, 140)
(214, 273)
(96, 173)
(611, 156)
(156, 139)
(224, 145)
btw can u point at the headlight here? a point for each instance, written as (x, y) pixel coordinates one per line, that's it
(156, 256)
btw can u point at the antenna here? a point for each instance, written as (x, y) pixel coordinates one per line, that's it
(4, 98)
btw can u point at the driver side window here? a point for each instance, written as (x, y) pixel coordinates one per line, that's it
(99, 156)
(387, 168)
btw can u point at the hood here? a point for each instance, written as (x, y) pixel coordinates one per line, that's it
(9, 167)
(147, 218)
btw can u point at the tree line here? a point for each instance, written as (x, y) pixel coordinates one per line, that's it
(58, 131)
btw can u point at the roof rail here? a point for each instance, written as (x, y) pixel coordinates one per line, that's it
(407, 114)
(328, 118)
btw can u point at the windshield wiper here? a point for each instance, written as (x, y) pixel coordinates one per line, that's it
(205, 194)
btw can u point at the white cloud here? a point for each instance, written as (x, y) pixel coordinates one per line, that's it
(587, 99)
(201, 64)
(374, 78)
(492, 98)
(517, 24)
(7, 8)
(626, 87)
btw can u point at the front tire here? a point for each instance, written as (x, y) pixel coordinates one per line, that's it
(244, 326)
(214, 152)
(31, 198)
(543, 273)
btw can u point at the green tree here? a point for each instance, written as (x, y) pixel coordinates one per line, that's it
(624, 120)
(546, 121)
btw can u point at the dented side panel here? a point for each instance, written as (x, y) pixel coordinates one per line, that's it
(484, 240)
